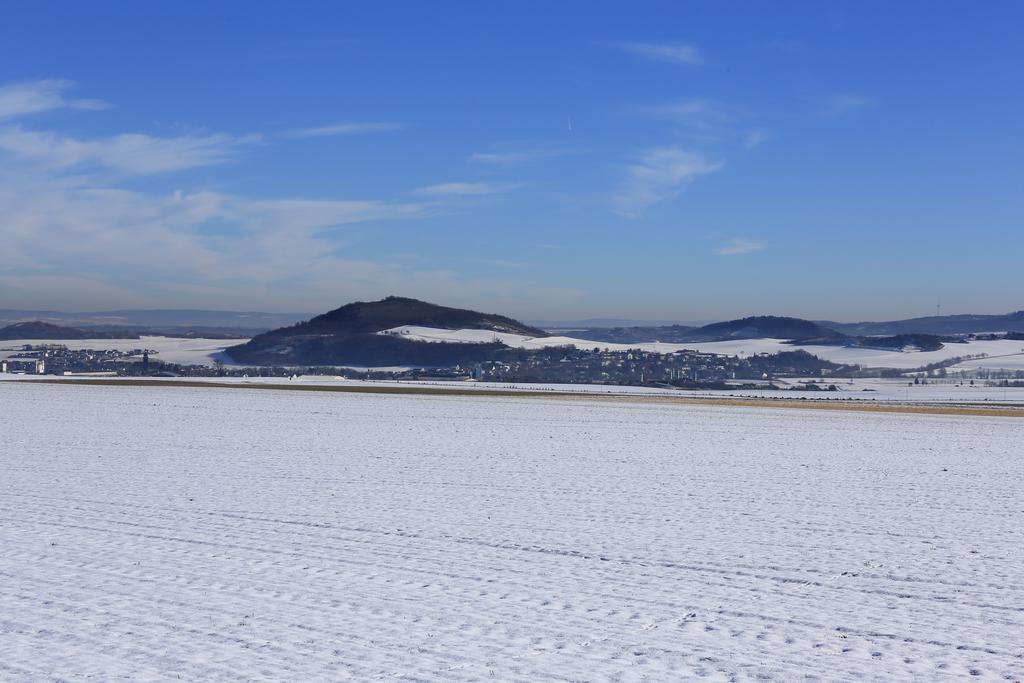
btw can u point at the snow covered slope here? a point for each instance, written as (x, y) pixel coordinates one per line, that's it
(312, 536)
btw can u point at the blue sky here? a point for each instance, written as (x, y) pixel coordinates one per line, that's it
(685, 161)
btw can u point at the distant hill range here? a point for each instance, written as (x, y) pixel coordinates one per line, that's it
(38, 330)
(237, 323)
(594, 323)
(247, 323)
(757, 327)
(807, 331)
(946, 324)
(348, 335)
(669, 334)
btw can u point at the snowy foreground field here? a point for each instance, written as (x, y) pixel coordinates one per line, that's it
(241, 534)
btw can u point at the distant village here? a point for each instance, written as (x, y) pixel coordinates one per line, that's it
(57, 359)
(560, 364)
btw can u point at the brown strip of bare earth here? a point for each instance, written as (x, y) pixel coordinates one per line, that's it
(855, 405)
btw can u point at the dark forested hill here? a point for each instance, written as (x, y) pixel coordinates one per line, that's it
(348, 335)
(764, 327)
(364, 317)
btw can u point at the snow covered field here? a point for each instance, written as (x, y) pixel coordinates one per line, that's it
(860, 389)
(864, 390)
(230, 534)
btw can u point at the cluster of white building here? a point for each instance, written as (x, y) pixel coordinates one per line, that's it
(24, 366)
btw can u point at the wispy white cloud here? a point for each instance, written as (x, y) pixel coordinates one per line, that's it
(707, 122)
(68, 245)
(70, 232)
(464, 189)
(502, 158)
(846, 103)
(673, 53)
(659, 175)
(517, 157)
(311, 214)
(131, 153)
(740, 245)
(75, 236)
(22, 99)
(686, 109)
(756, 137)
(700, 119)
(345, 128)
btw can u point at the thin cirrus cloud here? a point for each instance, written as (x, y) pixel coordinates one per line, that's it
(517, 157)
(658, 175)
(278, 252)
(708, 121)
(474, 189)
(738, 246)
(129, 153)
(672, 53)
(22, 99)
(705, 119)
(91, 231)
(503, 158)
(73, 236)
(345, 128)
(687, 109)
(846, 103)
(756, 137)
